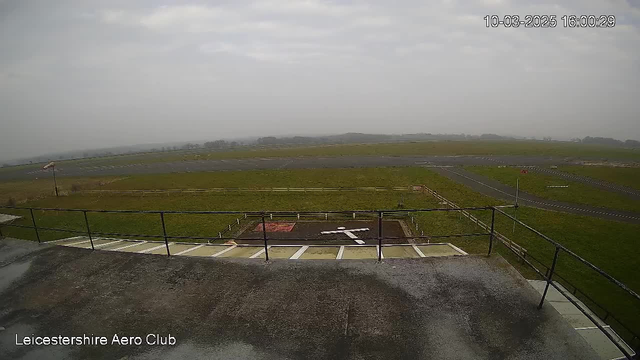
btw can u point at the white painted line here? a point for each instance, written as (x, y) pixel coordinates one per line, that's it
(591, 327)
(457, 249)
(188, 250)
(109, 243)
(128, 246)
(259, 253)
(299, 253)
(78, 243)
(378, 251)
(418, 251)
(224, 251)
(340, 252)
(153, 248)
(70, 238)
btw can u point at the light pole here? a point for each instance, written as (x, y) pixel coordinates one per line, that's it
(52, 165)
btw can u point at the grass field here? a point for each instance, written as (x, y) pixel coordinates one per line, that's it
(608, 244)
(536, 184)
(21, 191)
(535, 148)
(622, 176)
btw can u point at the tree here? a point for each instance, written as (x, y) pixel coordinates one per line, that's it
(632, 144)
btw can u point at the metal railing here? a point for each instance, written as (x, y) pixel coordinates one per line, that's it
(261, 215)
(380, 238)
(550, 272)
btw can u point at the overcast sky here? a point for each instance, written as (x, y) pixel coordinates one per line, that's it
(78, 74)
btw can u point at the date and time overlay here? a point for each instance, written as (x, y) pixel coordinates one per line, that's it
(550, 21)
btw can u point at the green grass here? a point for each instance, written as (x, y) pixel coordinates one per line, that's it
(608, 244)
(622, 176)
(536, 184)
(27, 190)
(384, 177)
(536, 148)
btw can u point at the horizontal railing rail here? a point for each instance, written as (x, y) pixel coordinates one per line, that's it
(548, 277)
(264, 216)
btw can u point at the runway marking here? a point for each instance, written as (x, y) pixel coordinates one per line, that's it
(418, 251)
(457, 249)
(128, 246)
(65, 239)
(259, 252)
(544, 203)
(189, 250)
(224, 251)
(153, 248)
(78, 243)
(591, 327)
(299, 253)
(109, 243)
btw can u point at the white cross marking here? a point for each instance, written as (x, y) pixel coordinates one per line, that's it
(349, 233)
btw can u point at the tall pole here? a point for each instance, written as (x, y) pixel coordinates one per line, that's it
(493, 221)
(55, 184)
(264, 236)
(515, 209)
(379, 235)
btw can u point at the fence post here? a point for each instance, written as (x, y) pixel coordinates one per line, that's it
(164, 233)
(86, 221)
(264, 236)
(553, 266)
(35, 227)
(493, 218)
(379, 235)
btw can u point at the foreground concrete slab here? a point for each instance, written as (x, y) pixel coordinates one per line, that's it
(242, 252)
(438, 250)
(173, 248)
(281, 252)
(207, 250)
(320, 253)
(462, 307)
(390, 252)
(360, 252)
(585, 327)
(141, 247)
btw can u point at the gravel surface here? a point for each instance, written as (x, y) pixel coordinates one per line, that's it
(463, 307)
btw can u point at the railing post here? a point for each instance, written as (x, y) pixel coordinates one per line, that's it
(493, 219)
(553, 266)
(164, 233)
(264, 236)
(35, 227)
(86, 221)
(379, 235)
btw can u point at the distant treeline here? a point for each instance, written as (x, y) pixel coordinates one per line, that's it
(358, 138)
(348, 138)
(635, 144)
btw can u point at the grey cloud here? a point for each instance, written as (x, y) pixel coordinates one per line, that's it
(82, 74)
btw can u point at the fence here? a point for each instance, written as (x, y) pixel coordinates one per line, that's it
(267, 189)
(263, 216)
(380, 238)
(526, 257)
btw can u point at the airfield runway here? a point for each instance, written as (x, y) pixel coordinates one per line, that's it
(438, 163)
(493, 188)
(66, 169)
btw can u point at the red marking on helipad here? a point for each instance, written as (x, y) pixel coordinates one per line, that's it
(276, 227)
